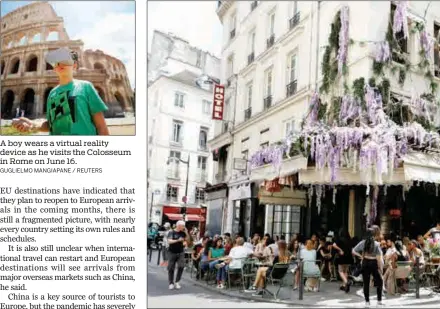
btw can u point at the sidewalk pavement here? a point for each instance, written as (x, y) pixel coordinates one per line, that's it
(328, 296)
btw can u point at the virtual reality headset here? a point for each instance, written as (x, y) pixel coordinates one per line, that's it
(61, 56)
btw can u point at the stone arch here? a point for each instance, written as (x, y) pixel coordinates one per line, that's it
(15, 66)
(28, 101)
(2, 67)
(32, 64)
(98, 66)
(46, 96)
(8, 104)
(36, 38)
(10, 44)
(100, 92)
(120, 99)
(53, 36)
(23, 40)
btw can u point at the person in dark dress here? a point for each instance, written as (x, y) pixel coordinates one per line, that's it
(343, 246)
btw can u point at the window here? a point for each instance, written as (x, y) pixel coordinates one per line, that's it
(201, 163)
(206, 107)
(233, 22)
(264, 145)
(177, 131)
(200, 195)
(401, 41)
(271, 24)
(203, 138)
(252, 42)
(175, 155)
(249, 95)
(178, 99)
(268, 87)
(291, 68)
(283, 220)
(437, 50)
(245, 154)
(172, 193)
(293, 8)
(290, 126)
(230, 69)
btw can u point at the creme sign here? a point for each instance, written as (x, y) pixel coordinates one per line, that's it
(219, 100)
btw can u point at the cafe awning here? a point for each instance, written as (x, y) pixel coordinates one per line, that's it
(417, 166)
(288, 167)
(287, 196)
(420, 166)
(174, 217)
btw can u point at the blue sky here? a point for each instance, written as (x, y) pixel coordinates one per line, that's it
(105, 25)
(195, 21)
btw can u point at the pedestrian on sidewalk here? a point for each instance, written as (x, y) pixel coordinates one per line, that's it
(176, 254)
(372, 263)
(167, 227)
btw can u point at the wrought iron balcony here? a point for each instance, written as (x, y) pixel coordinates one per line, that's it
(251, 58)
(268, 102)
(270, 41)
(291, 88)
(248, 114)
(232, 34)
(294, 21)
(254, 4)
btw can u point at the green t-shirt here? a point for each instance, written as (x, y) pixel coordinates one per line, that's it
(217, 253)
(70, 108)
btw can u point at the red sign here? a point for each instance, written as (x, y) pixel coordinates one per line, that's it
(219, 100)
(395, 212)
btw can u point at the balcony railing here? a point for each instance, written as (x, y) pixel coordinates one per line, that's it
(291, 88)
(225, 127)
(248, 114)
(294, 21)
(251, 58)
(232, 34)
(173, 171)
(254, 4)
(268, 102)
(201, 175)
(270, 41)
(203, 147)
(175, 143)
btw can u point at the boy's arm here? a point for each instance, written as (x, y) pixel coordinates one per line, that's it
(101, 126)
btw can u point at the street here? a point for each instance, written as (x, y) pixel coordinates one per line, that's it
(193, 296)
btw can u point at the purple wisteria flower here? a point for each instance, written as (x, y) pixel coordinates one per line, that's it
(343, 39)
(426, 42)
(400, 22)
(383, 53)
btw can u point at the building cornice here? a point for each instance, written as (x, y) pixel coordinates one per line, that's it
(223, 8)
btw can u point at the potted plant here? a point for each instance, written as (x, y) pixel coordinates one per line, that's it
(434, 247)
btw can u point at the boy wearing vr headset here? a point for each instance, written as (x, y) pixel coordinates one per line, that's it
(74, 107)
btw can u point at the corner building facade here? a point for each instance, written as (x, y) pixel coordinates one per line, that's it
(271, 66)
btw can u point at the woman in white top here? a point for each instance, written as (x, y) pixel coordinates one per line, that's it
(308, 256)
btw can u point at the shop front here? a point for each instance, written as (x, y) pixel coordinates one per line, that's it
(217, 201)
(194, 216)
(245, 217)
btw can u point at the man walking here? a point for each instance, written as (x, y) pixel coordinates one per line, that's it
(176, 253)
(74, 107)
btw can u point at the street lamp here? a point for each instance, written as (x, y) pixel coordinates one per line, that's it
(155, 192)
(187, 178)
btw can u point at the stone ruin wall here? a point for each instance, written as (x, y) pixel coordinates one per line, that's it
(27, 35)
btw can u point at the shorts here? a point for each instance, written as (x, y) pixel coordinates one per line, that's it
(343, 268)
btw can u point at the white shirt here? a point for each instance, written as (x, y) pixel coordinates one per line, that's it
(274, 248)
(238, 254)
